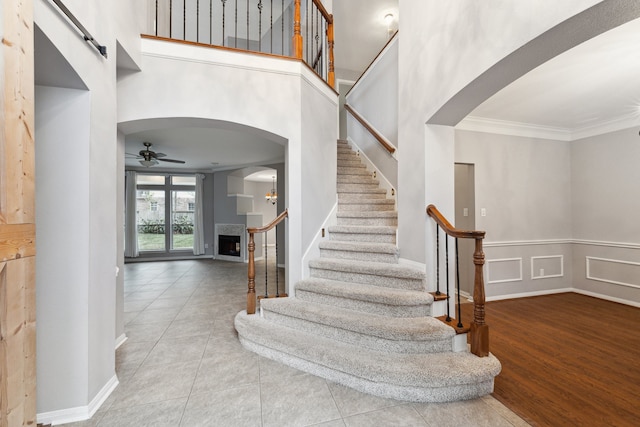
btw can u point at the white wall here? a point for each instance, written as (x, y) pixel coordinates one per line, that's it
(279, 99)
(63, 246)
(375, 97)
(444, 46)
(524, 186)
(79, 375)
(605, 201)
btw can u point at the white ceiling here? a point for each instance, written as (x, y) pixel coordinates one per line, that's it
(588, 88)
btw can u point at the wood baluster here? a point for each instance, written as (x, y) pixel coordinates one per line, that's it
(297, 35)
(479, 329)
(331, 78)
(251, 273)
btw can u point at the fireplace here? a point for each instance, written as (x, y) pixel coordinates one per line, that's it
(229, 245)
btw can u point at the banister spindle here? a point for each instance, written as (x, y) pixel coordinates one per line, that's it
(156, 23)
(260, 26)
(479, 329)
(458, 286)
(297, 36)
(271, 28)
(276, 260)
(235, 26)
(251, 274)
(210, 21)
(224, 4)
(331, 77)
(437, 259)
(266, 267)
(446, 249)
(184, 19)
(170, 19)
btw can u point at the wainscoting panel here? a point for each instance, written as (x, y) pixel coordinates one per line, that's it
(504, 270)
(544, 267)
(618, 272)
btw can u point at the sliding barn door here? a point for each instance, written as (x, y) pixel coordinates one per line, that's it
(17, 217)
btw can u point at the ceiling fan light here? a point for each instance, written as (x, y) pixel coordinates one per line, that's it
(148, 163)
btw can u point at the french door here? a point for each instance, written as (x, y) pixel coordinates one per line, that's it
(165, 206)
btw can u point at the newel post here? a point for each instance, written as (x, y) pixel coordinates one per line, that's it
(331, 77)
(297, 34)
(479, 329)
(251, 273)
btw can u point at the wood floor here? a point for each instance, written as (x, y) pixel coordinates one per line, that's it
(567, 359)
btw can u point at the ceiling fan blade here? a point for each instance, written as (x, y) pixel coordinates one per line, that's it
(161, 155)
(171, 160)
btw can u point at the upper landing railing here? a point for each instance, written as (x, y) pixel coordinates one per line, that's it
(301, 29)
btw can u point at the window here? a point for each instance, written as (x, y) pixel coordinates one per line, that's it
(166, 205)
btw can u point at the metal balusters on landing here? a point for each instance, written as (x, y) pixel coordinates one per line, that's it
(247, 24)
(276, 260)
(184, 19)
(235, 26)
(446, 250)
(260, 26)
(271, 28)
(224, 4)
(438, 260)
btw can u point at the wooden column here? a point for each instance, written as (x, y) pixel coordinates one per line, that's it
(479, 329)
(331, 77)
(17, 217)
(297, 34)
(251, 275)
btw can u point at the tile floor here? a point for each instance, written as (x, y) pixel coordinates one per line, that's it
(182, 365)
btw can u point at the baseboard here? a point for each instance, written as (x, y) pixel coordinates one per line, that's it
(607, 297)
(529, 294)
(79, 413)
(120, 340)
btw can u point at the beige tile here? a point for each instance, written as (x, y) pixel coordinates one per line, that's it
(395, 416)
(352, 402)
(469, 412)
(273, 369)
(159, 414)
(157, 383)
(505, 412)
(187, 328)
(174, 350)
(237, 407)
(296, 401)
(156, 316)
(137, 332)
(226, 371)
(132, 352)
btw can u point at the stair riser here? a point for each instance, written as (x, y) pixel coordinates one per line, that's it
(359, 339)
(365, 306)
(359, 256)
(350, 162)
(347, 196)
(353, 171)
(357, 188)
(389, 222)
(389, 282)
(365, 207)
(363, 237)
(357, 179)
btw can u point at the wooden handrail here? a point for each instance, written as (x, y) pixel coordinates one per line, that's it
(381, 139)
(479, 329)
(251, 269)
(323, 11)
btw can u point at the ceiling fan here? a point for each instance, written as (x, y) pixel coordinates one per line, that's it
(151, 158)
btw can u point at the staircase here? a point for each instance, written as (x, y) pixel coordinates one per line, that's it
(362, 319)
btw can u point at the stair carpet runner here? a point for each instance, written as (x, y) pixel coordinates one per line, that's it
(361, 319)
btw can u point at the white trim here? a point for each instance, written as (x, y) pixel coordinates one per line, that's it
(313, 250)
(384, 182)
(121, 339)
(529, 294)
(504, 127)
(79, 413)
(527, 243)
(622, 245)
(488, 264)
(547, 276)
(613, 282)
(607, 297)
(609, 126)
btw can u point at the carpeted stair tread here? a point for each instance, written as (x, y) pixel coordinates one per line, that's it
(381, 333)
(362, 229)
(367, 214)
(373, 273)
(364, 292)
(432, 377)
(372, 247)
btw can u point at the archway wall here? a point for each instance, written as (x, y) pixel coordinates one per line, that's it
(280, 99)
(453, 56)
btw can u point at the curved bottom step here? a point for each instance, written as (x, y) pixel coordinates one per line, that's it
(435, 377)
